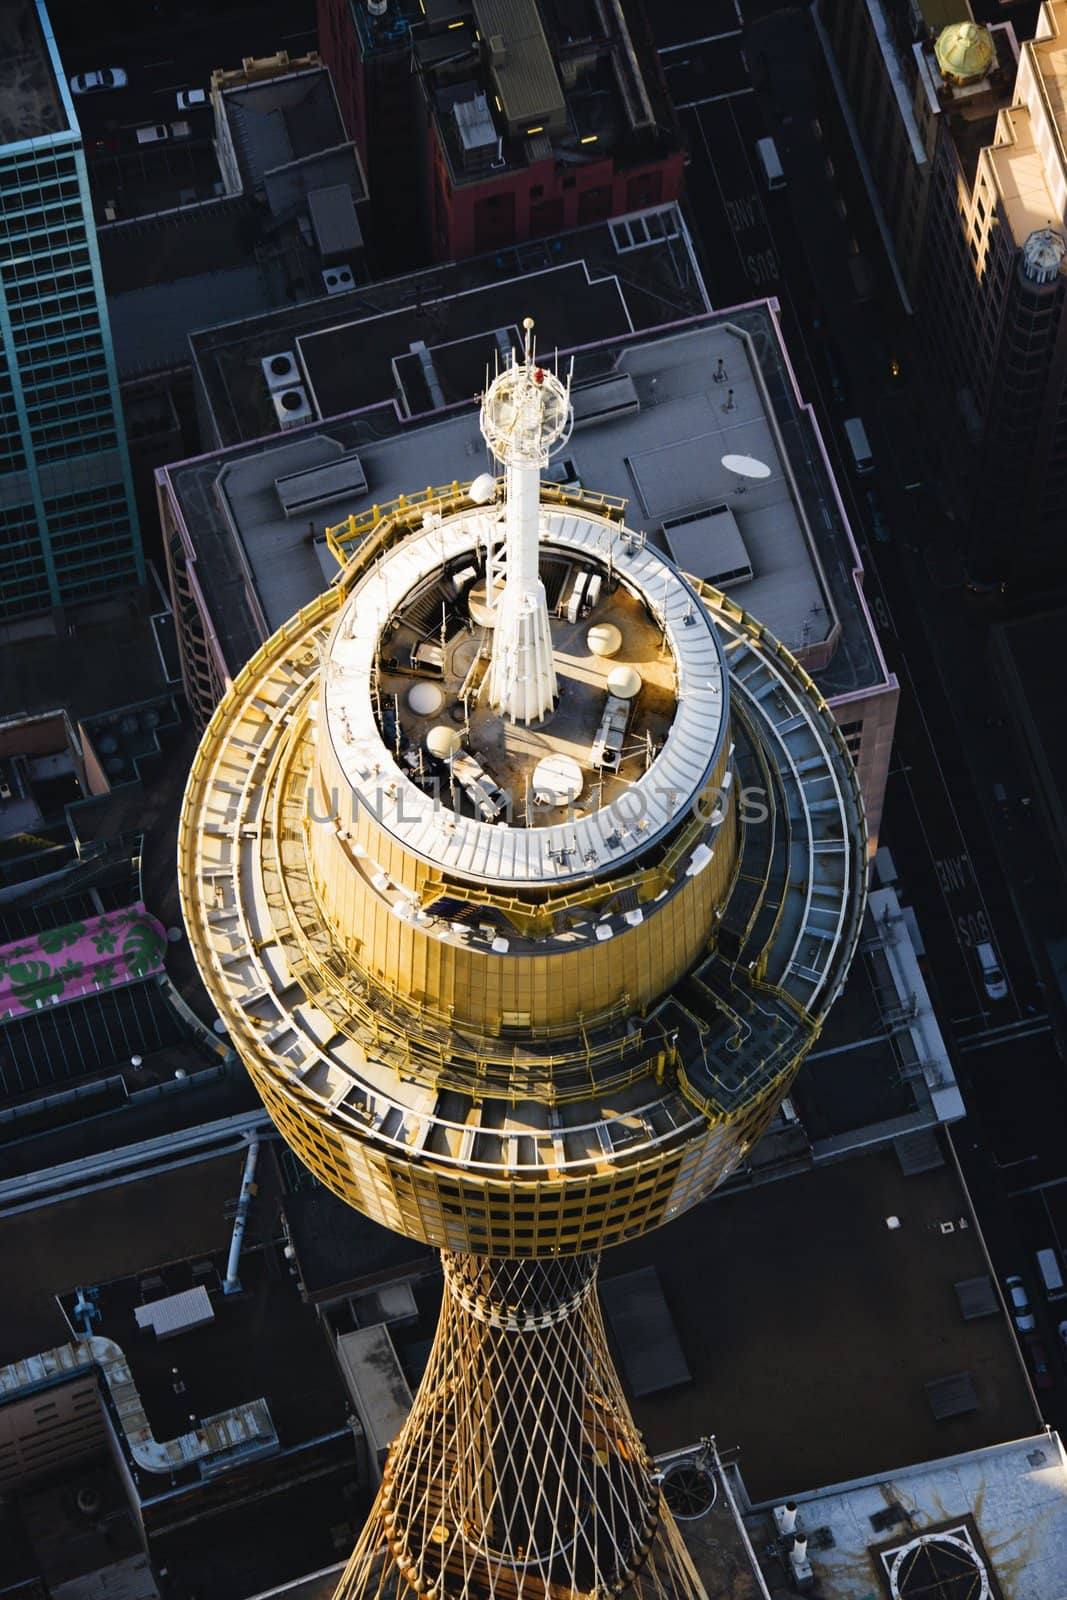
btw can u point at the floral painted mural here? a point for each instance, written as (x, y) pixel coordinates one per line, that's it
(81, 958)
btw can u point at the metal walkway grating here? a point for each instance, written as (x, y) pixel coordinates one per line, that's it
(61, 1043)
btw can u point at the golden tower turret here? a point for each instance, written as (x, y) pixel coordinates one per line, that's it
(522, 916)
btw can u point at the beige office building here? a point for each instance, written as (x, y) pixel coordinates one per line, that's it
(979, 219)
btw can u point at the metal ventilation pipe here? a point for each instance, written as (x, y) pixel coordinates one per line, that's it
(799, 1553)
(232, 1283)
(418, 347)
(787, 1518)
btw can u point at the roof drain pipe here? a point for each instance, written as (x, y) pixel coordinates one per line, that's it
(232, 1283)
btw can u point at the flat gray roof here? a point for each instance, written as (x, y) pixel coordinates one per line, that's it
(31, 100)
(353, 345)
(663, 458)
(1001, 1512)
(640, 1320)
(376, 1382)
(869, 1318)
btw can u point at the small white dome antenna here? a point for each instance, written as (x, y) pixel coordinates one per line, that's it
(483, 489)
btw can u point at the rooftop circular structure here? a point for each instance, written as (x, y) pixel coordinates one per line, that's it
(1043, 254)
(407, 616)
(483, 1042)
(965, 52)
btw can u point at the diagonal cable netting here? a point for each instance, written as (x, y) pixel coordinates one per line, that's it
(519, 1474)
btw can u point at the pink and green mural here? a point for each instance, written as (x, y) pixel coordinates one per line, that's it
(82, 958)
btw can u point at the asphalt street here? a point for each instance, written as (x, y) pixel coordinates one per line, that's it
(958, 822)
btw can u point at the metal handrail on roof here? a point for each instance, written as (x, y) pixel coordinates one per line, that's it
(397, 517)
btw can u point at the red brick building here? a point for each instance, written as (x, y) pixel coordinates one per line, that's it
(497, 121)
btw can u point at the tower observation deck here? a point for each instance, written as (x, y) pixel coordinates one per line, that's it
(523, 871)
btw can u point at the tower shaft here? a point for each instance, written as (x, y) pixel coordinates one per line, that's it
(519, 1473)
(526, 416)
(522, 677)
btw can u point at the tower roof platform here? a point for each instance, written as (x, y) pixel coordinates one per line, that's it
(650, 430)
(846, 1396)
(989, 1521)
(362, 348)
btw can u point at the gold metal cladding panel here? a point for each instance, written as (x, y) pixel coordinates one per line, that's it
(473, 986)
(517, 1215)
(330, 798)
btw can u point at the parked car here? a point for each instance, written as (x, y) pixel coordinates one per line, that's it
(189, 99)
(152, 134)
(103, 78)
(996, 985)
(878, 522)
(1035, 1354)
(1022, 1316)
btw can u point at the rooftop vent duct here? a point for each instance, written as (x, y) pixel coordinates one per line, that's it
(280, 370)
(291, 406)
(337, 280)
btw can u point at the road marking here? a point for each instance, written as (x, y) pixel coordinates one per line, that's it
(709, 38)
(730, 94)
(150, 64)
(1038, 1021)
(967, 1047)
(954, 872)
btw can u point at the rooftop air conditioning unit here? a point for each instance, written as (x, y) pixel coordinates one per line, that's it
(335, 280)
(280, 371)
(291, 406)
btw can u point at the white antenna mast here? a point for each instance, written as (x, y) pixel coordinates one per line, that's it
(526, 417)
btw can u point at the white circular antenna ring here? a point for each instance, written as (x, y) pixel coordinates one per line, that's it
(526, 413)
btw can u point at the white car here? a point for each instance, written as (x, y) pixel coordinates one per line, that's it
(105, 78)
(996, 985)
(189, 99)
(1020, 1305)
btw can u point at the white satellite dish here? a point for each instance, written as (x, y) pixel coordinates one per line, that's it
(746, 466)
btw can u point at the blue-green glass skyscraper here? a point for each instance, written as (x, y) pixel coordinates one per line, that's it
(68, 523)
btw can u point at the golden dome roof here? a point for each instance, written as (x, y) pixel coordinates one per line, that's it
(965, 51)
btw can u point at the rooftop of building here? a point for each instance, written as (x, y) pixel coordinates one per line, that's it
(871, 1315)
(129, 1247)
(31, 99)
(338, 1249)
(991, 1521)
(132, 1243)
(513, 82)
(1027, 148)
(971, 107)
(355, 349)
(938, 14)
(228, 217)
(164, 273)
(282, 121)
(651, 430)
